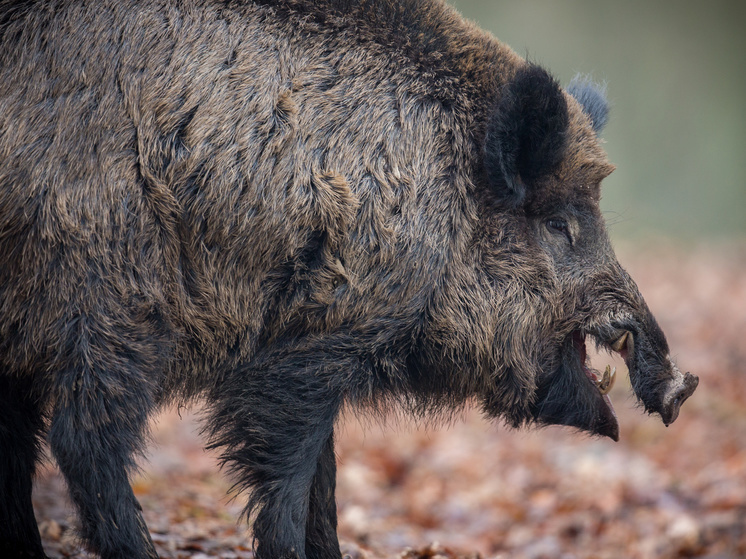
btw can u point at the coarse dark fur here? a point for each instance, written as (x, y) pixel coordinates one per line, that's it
(286, 208)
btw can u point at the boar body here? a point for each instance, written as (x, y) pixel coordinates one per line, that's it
(285, 208)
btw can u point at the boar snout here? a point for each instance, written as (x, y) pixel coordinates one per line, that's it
(655, 378)
(679, 389)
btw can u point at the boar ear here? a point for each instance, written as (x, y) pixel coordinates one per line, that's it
(526, 133)
(592, 97)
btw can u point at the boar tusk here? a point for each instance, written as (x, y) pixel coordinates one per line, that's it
(607, 380)
(620, 343)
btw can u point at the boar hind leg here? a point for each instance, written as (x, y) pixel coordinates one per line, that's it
(21, 424)
(97, 428)
(274, 424)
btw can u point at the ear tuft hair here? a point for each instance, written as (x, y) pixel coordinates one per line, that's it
(526, 133)
(592, 97)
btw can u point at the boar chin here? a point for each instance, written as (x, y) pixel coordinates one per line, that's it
(575, 395)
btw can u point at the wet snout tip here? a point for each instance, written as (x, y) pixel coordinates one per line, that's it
(676, 396)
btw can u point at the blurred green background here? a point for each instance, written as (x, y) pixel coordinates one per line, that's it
(676, 77)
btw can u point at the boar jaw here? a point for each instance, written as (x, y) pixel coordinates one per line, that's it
(572, 394)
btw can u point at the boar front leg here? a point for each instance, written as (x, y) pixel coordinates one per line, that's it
(21, 424)
(274, 422)
(103, 400)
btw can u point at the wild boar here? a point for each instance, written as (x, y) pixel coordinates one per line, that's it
(285, 208)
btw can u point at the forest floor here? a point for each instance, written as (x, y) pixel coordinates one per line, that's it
(473, 488)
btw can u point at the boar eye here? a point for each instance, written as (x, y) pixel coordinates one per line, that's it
(558, 225)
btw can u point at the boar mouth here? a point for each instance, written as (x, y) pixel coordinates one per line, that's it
(606, 422)
(577, 395)
(604, 382)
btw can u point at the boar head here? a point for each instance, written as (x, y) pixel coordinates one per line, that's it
(554, 278)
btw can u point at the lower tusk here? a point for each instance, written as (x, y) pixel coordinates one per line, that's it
(607, 380)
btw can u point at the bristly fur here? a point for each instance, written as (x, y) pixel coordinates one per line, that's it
(286, 208)
(592, 97)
